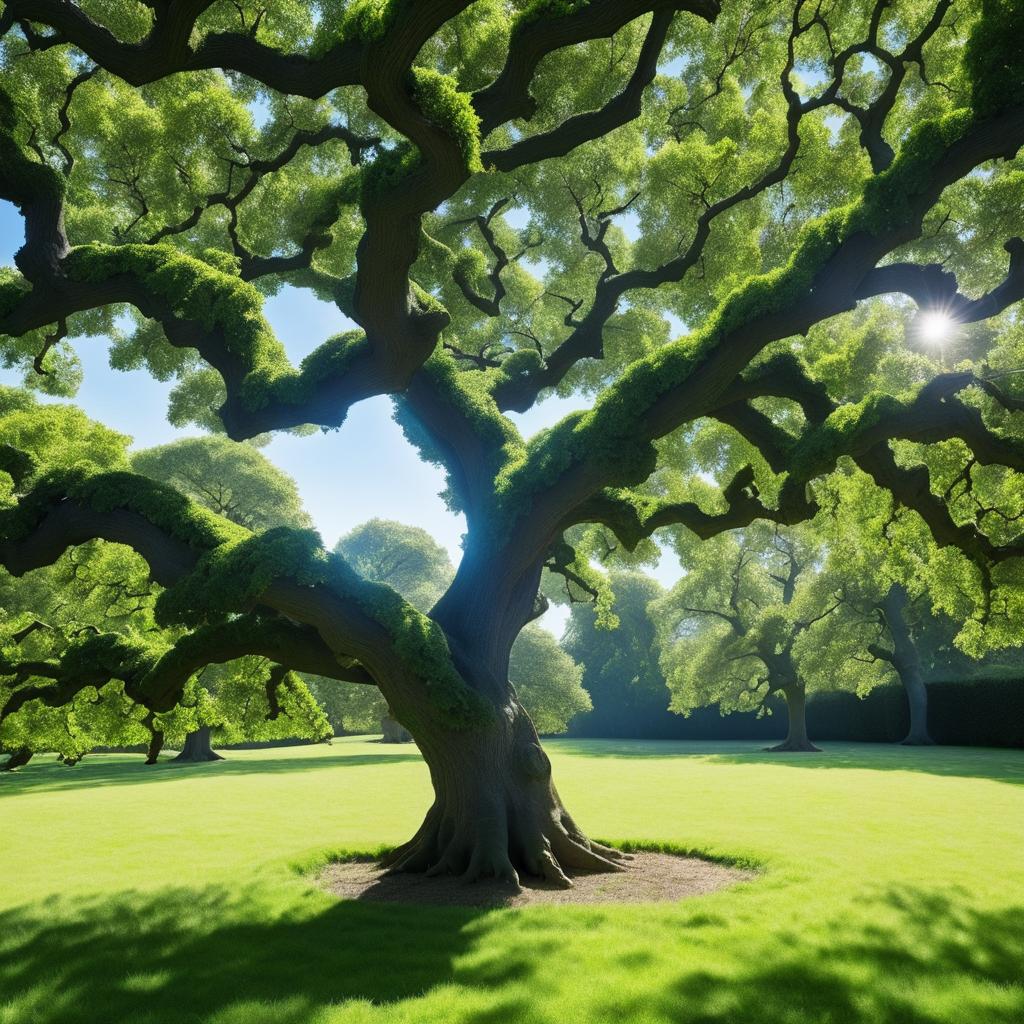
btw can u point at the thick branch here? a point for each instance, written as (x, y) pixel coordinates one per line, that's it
(508, 97)
(624, 108)
(934, 288)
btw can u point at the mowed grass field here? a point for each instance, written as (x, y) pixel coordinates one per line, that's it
(891, 889)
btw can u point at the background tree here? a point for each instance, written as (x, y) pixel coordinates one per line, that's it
(239, 483)
(234, 480)
(99, 589)
(734, 628)
(401, 136)
(621, 672)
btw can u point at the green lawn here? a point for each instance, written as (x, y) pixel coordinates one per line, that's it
(892, 890)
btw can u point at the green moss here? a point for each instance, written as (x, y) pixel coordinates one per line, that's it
(993, 57)
(468, 393)
(468, 264)
(424, 301)
(332, 359)
(536, 10)
(193, 290)
(447, 108)
(163, 506)
(220, 259)
(233, 576)
(367, 21)
(890, 198)
(226, 306)
(838, 435)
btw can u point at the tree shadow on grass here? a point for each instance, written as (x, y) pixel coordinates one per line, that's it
(998, 764)
(945, 961)
(188, 955)
(46, 775)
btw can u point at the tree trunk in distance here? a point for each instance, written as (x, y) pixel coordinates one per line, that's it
(917, 698)
(198, 748)
(907, 663)
(156, 744)
(496, 813)
(18, 759)
(394, 731)
(796, 708)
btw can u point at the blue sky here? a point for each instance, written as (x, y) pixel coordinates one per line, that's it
(365, 470)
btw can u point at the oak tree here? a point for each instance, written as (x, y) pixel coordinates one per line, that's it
(505, 198)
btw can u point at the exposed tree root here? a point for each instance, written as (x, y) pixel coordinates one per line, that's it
(794, 746)
(197, 749)
(539, 845)
(918, 741)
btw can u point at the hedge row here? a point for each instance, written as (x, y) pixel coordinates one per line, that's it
(976, 712)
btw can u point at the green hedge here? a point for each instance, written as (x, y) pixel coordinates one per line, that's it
(972, 712)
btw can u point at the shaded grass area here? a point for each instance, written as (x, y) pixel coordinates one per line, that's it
(888, 893)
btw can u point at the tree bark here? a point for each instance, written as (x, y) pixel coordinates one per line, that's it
(907, 663)
(156, 744)
(18, 759)
(917, 699)
(796, 708)
(198, 748)
(496, 812)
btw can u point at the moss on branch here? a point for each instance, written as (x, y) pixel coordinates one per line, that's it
(164, 507)
(444, 106)
(232, 577)
(236, 567)
(228, 309)
(368, 21)
(538, 10)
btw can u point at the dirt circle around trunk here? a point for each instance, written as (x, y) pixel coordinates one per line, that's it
(648, 878)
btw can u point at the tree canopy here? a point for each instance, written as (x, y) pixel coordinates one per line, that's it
(733, 230)
(98, 598)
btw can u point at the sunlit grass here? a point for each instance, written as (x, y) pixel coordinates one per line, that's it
(892, 890)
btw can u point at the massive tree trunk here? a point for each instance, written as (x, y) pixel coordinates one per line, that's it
(796, 709)
(907, 663)
(18, 759)
(198, 748)
(496, 812)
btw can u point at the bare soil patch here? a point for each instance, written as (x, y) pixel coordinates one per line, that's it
(648, 878)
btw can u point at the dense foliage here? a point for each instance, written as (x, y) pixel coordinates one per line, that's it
(729, 228)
